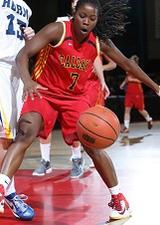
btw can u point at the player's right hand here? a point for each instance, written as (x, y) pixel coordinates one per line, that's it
(31, 88)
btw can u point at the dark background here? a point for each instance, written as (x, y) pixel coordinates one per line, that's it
(140, 38)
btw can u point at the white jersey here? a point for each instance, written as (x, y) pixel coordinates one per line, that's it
(14, 14)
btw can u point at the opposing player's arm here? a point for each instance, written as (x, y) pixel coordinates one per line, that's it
(127, 65)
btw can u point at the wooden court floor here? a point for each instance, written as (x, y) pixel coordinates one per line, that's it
(59, 200)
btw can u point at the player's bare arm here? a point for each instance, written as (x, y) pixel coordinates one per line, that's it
(127, 65)
(51, 33)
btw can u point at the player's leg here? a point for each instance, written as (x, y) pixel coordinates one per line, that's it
(118, 204)
(20, 209)
(45, 163)
(103, 164)
(126, 120)
(140, 106)
(8, 118)
(128, 104)
(147, 117)
(77, 159)
(28, 128)
(68, 118)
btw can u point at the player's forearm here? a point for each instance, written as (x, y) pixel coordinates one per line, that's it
(109, 66)
(123, 84)
(98, 68)
(127, 65)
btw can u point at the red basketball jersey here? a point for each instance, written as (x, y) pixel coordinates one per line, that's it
(67, 68)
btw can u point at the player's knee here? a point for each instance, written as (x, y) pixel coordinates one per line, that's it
(26, 132)
(25, 135)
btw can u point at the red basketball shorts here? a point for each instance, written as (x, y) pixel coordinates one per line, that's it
(66, 109)
(134, 100)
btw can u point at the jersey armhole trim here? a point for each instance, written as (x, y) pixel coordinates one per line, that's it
(98, 46)
(63, 35)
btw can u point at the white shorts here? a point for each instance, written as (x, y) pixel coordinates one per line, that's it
(11, 88)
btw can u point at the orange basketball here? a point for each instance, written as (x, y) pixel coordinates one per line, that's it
(98, 127)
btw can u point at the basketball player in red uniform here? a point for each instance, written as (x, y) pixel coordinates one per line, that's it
(134, 97)
(77, 159)
(61, 87)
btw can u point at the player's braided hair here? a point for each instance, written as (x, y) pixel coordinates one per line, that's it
(111, 19)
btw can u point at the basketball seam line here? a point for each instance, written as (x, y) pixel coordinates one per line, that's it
(104, 121)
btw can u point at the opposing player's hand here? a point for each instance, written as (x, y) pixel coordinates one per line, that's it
(31, 88)
(28, 33)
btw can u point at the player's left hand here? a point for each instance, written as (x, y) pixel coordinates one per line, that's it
(106, 91)
(28, 33)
